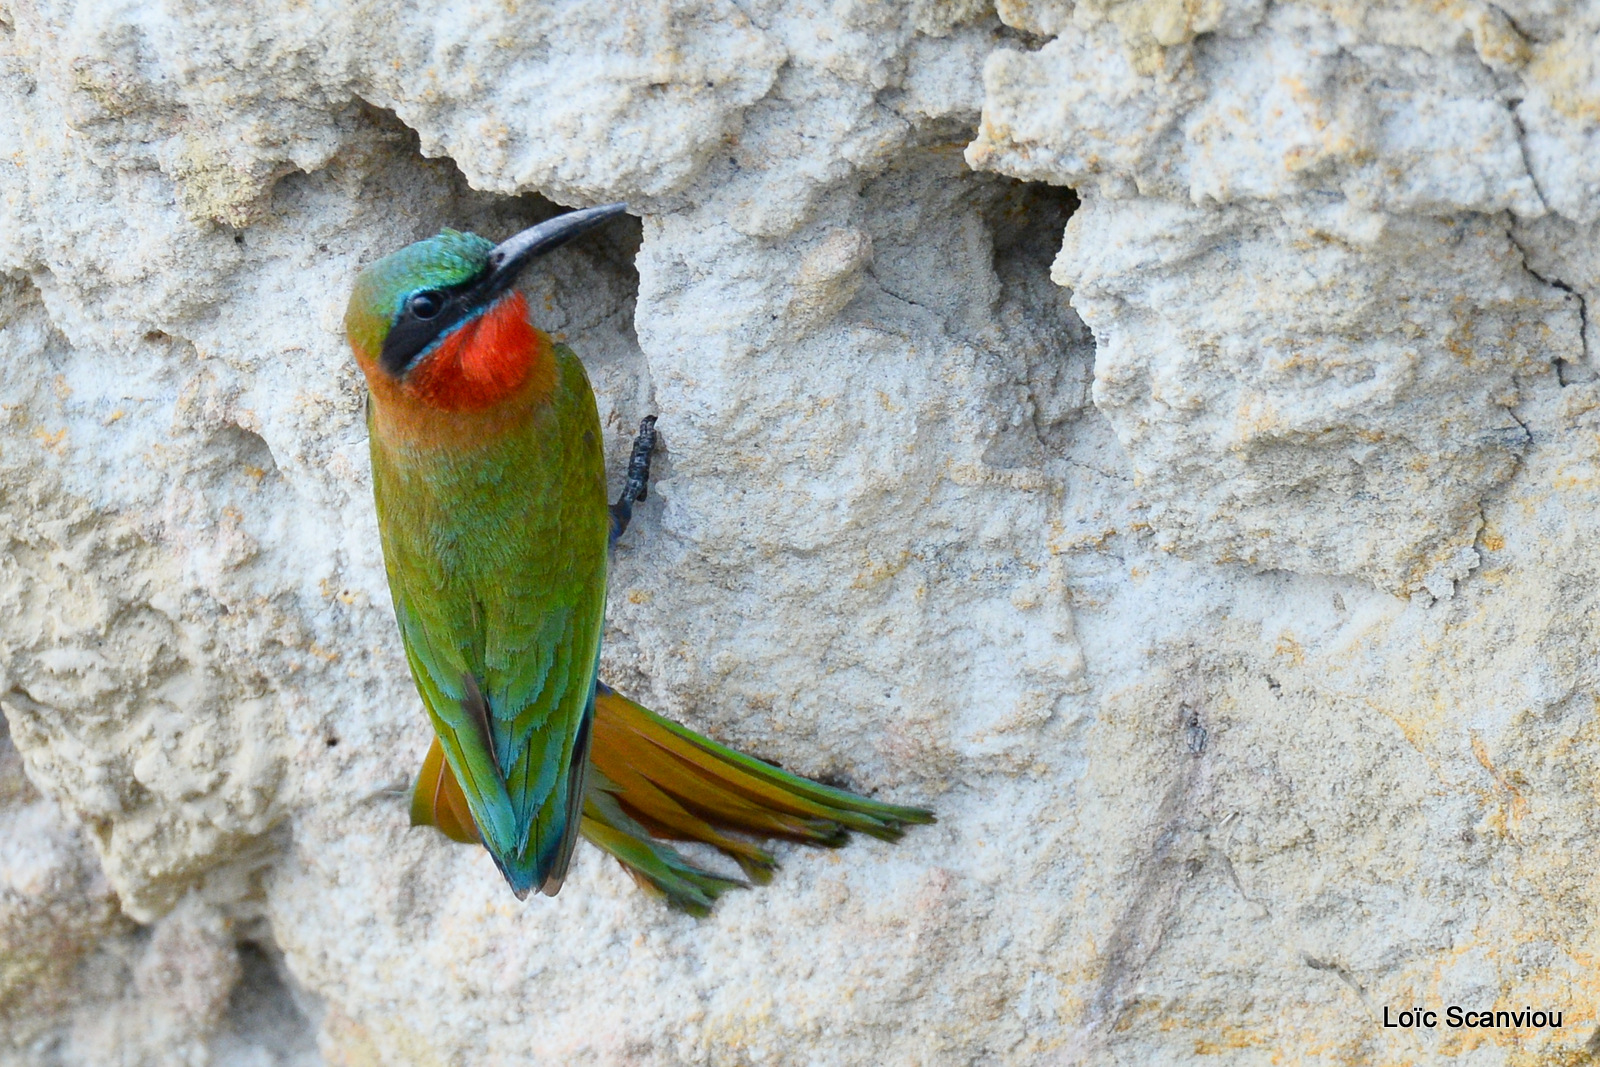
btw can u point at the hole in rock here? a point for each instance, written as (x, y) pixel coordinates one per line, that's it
(1026, 221)
(245, 451)
(975, 250)
(1570, 373)
(583, 294)
(14, 785)
(268, 1020)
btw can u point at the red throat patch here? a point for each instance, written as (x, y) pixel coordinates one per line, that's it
(484, 361)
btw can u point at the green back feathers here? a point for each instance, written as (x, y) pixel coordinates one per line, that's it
(497, 562)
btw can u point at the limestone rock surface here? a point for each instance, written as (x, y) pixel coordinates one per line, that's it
(1162, 437)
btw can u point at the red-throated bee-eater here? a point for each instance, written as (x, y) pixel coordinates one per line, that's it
(490, 485)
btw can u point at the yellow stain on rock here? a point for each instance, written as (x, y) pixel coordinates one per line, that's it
(875, 573)
(1288, 647)
(55, 442)
(1514, 805)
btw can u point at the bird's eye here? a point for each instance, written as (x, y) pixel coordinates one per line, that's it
(425, 305)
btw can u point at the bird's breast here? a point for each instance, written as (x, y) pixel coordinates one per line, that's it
(484, 381)
(487, 360)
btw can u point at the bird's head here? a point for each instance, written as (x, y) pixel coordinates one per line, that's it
(434, 319)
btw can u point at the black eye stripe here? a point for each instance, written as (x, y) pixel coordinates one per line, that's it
(423, 318)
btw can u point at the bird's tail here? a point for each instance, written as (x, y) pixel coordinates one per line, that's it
(653, 781)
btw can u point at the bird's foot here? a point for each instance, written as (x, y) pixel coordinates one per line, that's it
(637, 486)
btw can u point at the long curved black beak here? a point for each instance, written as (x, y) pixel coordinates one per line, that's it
(412, 332)
(515, 253)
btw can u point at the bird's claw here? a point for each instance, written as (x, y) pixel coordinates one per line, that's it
(637, 487)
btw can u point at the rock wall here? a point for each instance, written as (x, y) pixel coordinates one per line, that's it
(1162, 437)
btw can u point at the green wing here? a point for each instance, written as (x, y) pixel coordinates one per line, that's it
(496, 556)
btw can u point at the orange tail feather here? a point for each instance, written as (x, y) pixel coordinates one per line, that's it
(653, 778)
(437, 799)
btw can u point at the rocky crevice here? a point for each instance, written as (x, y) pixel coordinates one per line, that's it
(1025, 378)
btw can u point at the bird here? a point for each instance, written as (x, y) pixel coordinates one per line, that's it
(489, 483)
